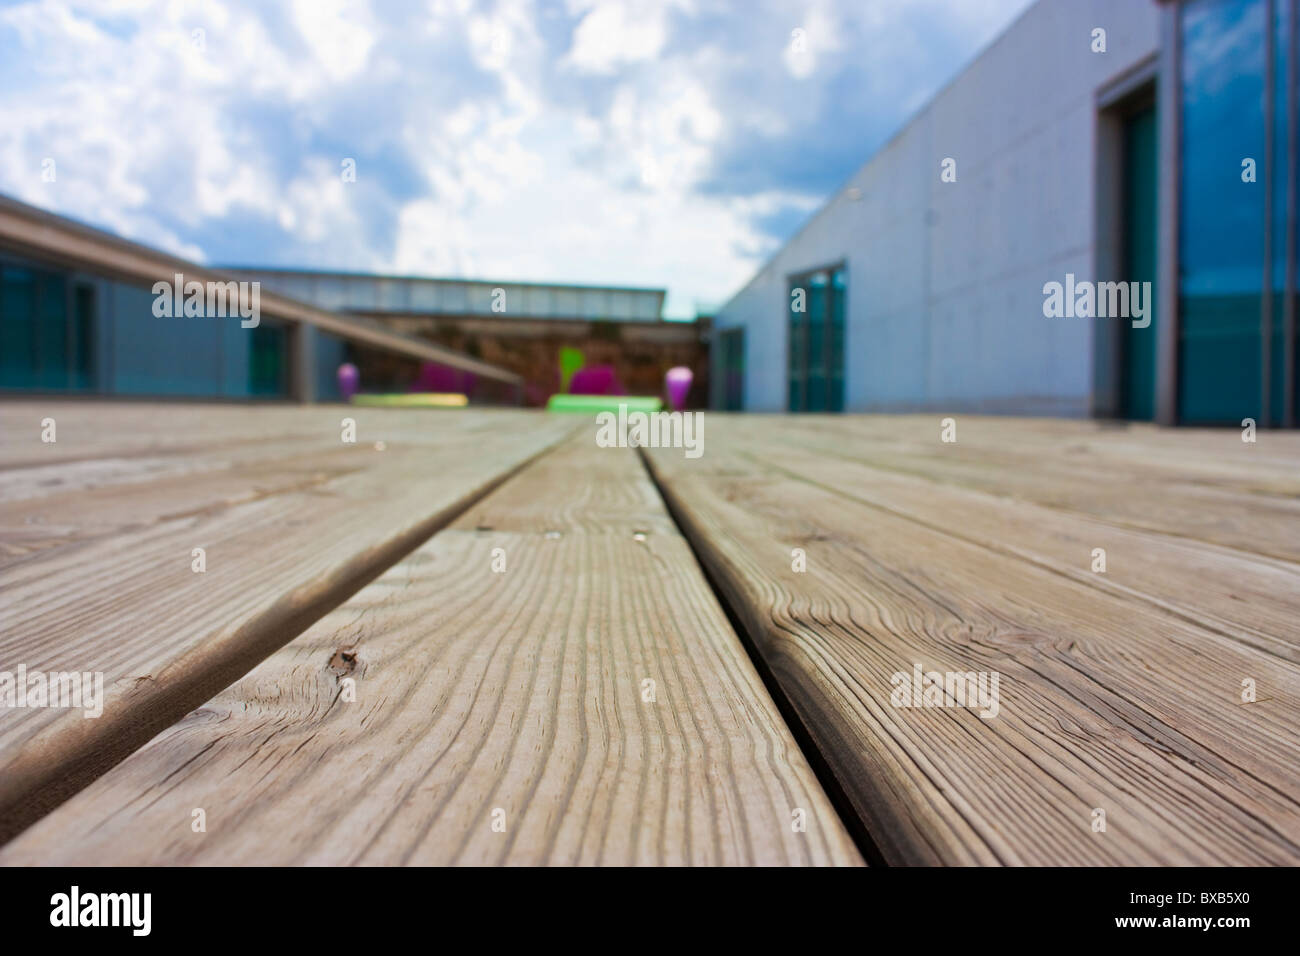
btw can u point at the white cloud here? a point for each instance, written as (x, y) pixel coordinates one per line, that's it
(817, 34)
(338, 33)
(617, 32)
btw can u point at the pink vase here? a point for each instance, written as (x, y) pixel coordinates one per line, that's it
(678, 383)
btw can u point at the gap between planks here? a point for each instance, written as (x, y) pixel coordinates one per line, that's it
(520, 691)
(49, 755)
(1086, 721)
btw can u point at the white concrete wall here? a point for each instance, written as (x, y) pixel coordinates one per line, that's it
(945, 279)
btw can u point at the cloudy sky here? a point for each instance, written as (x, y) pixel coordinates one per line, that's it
(665, 143)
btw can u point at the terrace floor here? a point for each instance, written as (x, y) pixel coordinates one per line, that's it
(476, 637)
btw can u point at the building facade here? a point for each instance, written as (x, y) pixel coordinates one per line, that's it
(80, 315)
(518, 326)
(1096, 217)
(69, 330)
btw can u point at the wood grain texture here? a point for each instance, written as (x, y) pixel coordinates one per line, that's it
(97, 577)
(1205, 485)
(1109, 699)
(519, 689)
(1237, 593)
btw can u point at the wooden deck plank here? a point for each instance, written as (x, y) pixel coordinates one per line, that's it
(1240, 594)
(112, 589)
(1200, 484)
(68, 503)
(101, 430)
(1208, 456)
(105, 444)
(1107, 702)
(476, 690)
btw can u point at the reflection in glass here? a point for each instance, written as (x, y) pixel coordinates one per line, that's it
(816, 343)
(1222, 217)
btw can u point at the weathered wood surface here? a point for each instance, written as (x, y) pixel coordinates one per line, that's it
(1236, 592)
(1206, 485)
(1119, 692)
(96, 566)
(519, 689)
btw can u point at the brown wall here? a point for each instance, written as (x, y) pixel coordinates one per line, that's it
(641, 352)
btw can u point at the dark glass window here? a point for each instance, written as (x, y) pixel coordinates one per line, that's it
(268, 364)
(1277, 214)
(818, 322)
(51, 331)
(1292, 107)
(835, 379)
(83, 352)
(17, 328)
(816, 344)
(1222, 217)
(41, 343)
(731, 343)
(1282, 246)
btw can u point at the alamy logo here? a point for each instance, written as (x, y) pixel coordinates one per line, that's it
(651, 430)
(1102, 300)
(949, 689)
(71, 689)
(218, 300)
(103, 909)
